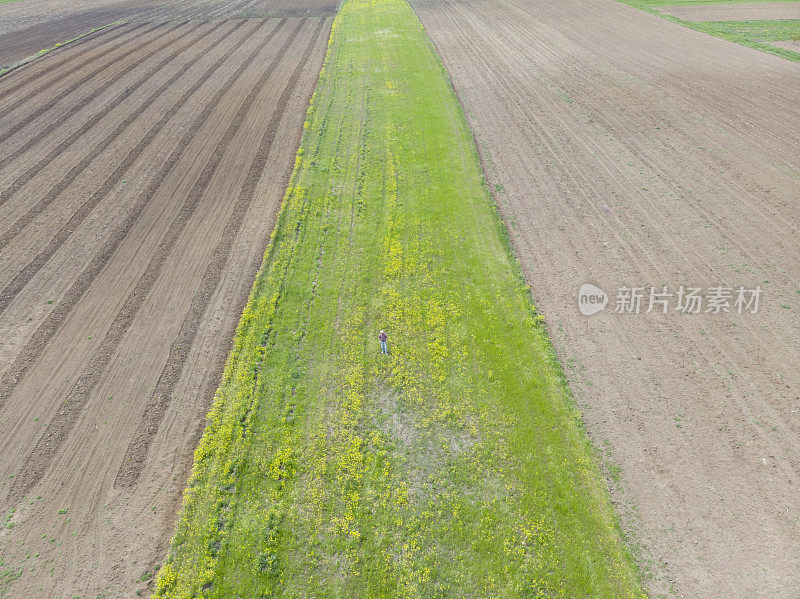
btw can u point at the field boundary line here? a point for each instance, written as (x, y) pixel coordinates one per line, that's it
(63, 64)
(6, 70)
(702, 27)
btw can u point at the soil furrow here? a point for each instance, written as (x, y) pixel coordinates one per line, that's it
(53, 125)
(8, 235)
(692, 258)
(46, 65)
(694, 262)
(64, 69)
(132, 233)
(25, 42)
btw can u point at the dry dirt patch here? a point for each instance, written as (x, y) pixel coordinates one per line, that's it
(628, 150)
(140, 172)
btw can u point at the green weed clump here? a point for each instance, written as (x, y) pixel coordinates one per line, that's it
(457, 465)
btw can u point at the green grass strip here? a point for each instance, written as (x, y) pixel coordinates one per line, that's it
(456, 466)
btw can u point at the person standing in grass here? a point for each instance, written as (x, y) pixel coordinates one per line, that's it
(382, 337)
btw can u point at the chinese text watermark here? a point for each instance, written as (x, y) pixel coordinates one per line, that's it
(683, 299)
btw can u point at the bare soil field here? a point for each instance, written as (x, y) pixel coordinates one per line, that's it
(220, 9)
(21, 14)
(140, 174)
(734, 12)
(625, 150)
(28, 26)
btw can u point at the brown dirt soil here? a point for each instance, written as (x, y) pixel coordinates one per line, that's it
(222, 9)
(628, 150)
(21, 14)
(140, 174)
(28, 26)
(734, 12)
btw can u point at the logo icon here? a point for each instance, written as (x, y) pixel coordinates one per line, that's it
(591, 299)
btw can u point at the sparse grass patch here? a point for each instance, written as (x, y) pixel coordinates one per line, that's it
(457, 465)
(764, 31)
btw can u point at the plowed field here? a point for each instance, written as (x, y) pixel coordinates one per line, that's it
(140, 172)
(33, 25)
